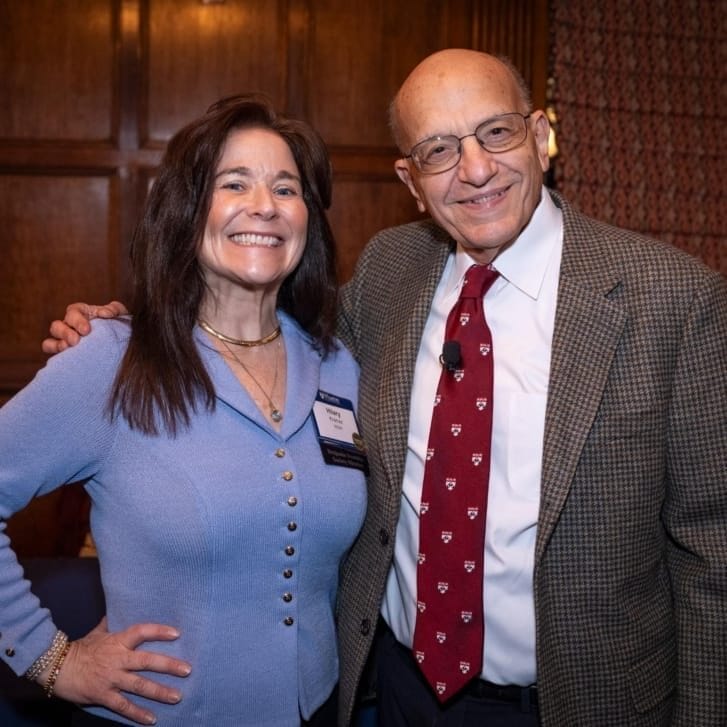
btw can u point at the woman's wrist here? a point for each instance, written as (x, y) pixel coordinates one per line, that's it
(48, 657)
(55, 670)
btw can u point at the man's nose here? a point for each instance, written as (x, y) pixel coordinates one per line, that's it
(476, 164)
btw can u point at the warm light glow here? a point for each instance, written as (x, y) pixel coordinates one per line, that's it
(552, 143)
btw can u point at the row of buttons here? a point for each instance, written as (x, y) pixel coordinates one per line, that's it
(288, 573)
(287, 476)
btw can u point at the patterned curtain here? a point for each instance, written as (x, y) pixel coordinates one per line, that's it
(639, 90)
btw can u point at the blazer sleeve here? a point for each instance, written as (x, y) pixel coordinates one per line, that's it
(695, 508)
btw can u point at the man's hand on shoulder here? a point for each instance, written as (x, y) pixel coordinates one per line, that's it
(76, 323)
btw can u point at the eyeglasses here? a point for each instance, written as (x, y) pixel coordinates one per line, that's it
(496, 135)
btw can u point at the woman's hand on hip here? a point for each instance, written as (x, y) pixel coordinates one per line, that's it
(102, 665)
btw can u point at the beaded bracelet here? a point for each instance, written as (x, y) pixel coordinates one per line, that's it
(50, 684)
(47, 657)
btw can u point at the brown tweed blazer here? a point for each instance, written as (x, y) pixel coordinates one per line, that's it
(631, 554)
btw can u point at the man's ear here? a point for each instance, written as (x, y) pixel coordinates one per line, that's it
(403, 171)
(541, 132)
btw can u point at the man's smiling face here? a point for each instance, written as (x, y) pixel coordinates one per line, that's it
(486, 200)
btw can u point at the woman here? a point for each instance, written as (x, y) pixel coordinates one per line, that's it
(200, 424)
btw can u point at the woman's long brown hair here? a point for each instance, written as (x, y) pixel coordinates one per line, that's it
(162, 380)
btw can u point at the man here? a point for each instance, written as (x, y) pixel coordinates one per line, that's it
(605, 558)
(607, 520)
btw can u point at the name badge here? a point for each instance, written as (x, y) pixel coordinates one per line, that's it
(341, 443)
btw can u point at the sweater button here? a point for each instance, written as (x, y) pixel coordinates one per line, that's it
(288, 621)
(289, 550)
(280, 453)
(287, 597)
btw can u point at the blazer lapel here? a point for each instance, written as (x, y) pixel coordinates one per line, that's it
(399, 354)
(588, 326)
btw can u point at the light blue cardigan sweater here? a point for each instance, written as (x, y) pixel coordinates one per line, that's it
(196, 531)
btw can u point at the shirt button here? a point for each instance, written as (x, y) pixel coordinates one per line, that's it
(287, 475)
(287, 597)
(9, 652)
(287, 573)
(289, 550)
(292, 526)
(288, 621)
(365, 626)
(383, 537)
(280, 452)
(292, 501)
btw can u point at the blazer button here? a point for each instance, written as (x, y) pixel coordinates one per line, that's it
(383, 537)
(365, 627)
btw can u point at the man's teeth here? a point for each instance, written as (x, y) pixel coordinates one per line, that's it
(485, 198)
(250, 239)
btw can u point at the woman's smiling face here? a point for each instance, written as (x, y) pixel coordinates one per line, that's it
(257, 224)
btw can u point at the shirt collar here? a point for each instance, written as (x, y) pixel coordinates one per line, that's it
(524, 263)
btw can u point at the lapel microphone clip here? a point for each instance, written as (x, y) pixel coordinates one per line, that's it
(451, 356)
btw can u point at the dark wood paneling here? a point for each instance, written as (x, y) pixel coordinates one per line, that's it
(359, 58)
(517, 29)
(57, 69)
(196, 53)
(59, 235)
(363, 207)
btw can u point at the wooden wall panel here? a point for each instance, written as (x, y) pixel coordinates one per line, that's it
(195, 54)
(58, 237)
(358, 59)
(518, 30)
(57, 76)
(362, 208)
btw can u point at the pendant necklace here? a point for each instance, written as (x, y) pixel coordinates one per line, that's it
(275, 414)
(238, 341)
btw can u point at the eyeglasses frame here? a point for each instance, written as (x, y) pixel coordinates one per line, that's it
(460, 139)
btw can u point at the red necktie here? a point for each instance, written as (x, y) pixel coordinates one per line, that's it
(449, 629)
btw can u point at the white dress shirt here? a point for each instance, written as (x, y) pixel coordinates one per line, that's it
(520, 311)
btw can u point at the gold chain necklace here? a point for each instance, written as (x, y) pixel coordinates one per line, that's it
(275, 414)
(239, 341)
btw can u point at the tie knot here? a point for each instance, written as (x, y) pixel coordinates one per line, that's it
(477, 280)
